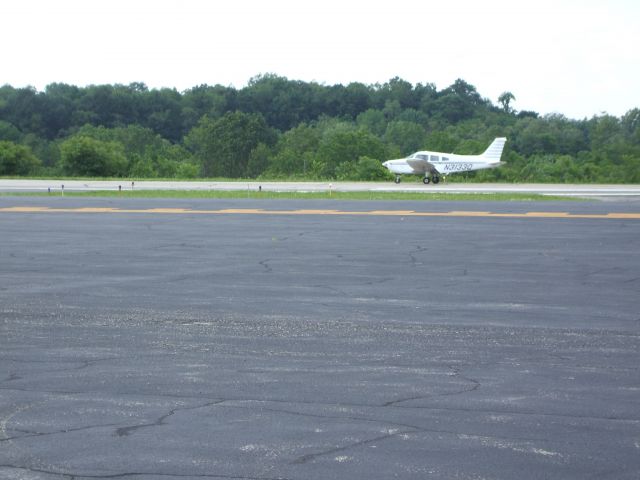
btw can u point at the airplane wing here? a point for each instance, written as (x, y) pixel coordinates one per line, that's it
(422, 166)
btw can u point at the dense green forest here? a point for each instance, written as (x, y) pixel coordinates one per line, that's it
(280, 128)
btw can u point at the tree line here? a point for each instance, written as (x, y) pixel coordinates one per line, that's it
(280, 128)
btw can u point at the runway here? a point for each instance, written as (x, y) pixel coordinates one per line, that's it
(68, 185)
(142, 339)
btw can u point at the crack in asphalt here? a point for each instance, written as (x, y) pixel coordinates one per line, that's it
(408, 429)
(456, 373)
(5, 420)
(11, 377)
(379, 281)
(631, 280)
(414, 428)
(300, 460)
(83, 364)
(76, 476)
(412, 255)
(265, 264)
(604, 270)
(175, 475)
(331, 289)
(312, 456)
(586, 277)
(29, 434)
(334, 417)
(125, 431)
(220, 401)
(613, 475)
(38, 470)
(393, 403)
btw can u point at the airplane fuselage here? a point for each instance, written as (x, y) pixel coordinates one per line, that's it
(443, 164)
(434, 164)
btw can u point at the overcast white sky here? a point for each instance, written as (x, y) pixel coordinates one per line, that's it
(579, 58)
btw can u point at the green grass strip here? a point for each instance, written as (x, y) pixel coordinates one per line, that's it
(365, 195)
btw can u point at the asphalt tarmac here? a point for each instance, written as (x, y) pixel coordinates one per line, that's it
(149, 343)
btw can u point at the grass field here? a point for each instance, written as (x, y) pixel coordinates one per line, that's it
(427, 196)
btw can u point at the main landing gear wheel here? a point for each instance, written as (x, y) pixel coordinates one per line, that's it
(397, 180)
(436, 180)
(426, 180)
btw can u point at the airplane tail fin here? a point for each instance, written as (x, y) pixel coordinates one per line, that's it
(494, 152)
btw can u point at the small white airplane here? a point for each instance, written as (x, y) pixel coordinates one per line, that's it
(434, 164)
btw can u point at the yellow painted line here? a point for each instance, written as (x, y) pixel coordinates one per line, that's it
(258, 211)
(547, 214)
(390, 212)
(23, 209)
(255, 211)
(166, 210)
(469, 214)
(308, 212)
(95, 210)
(623, 215)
